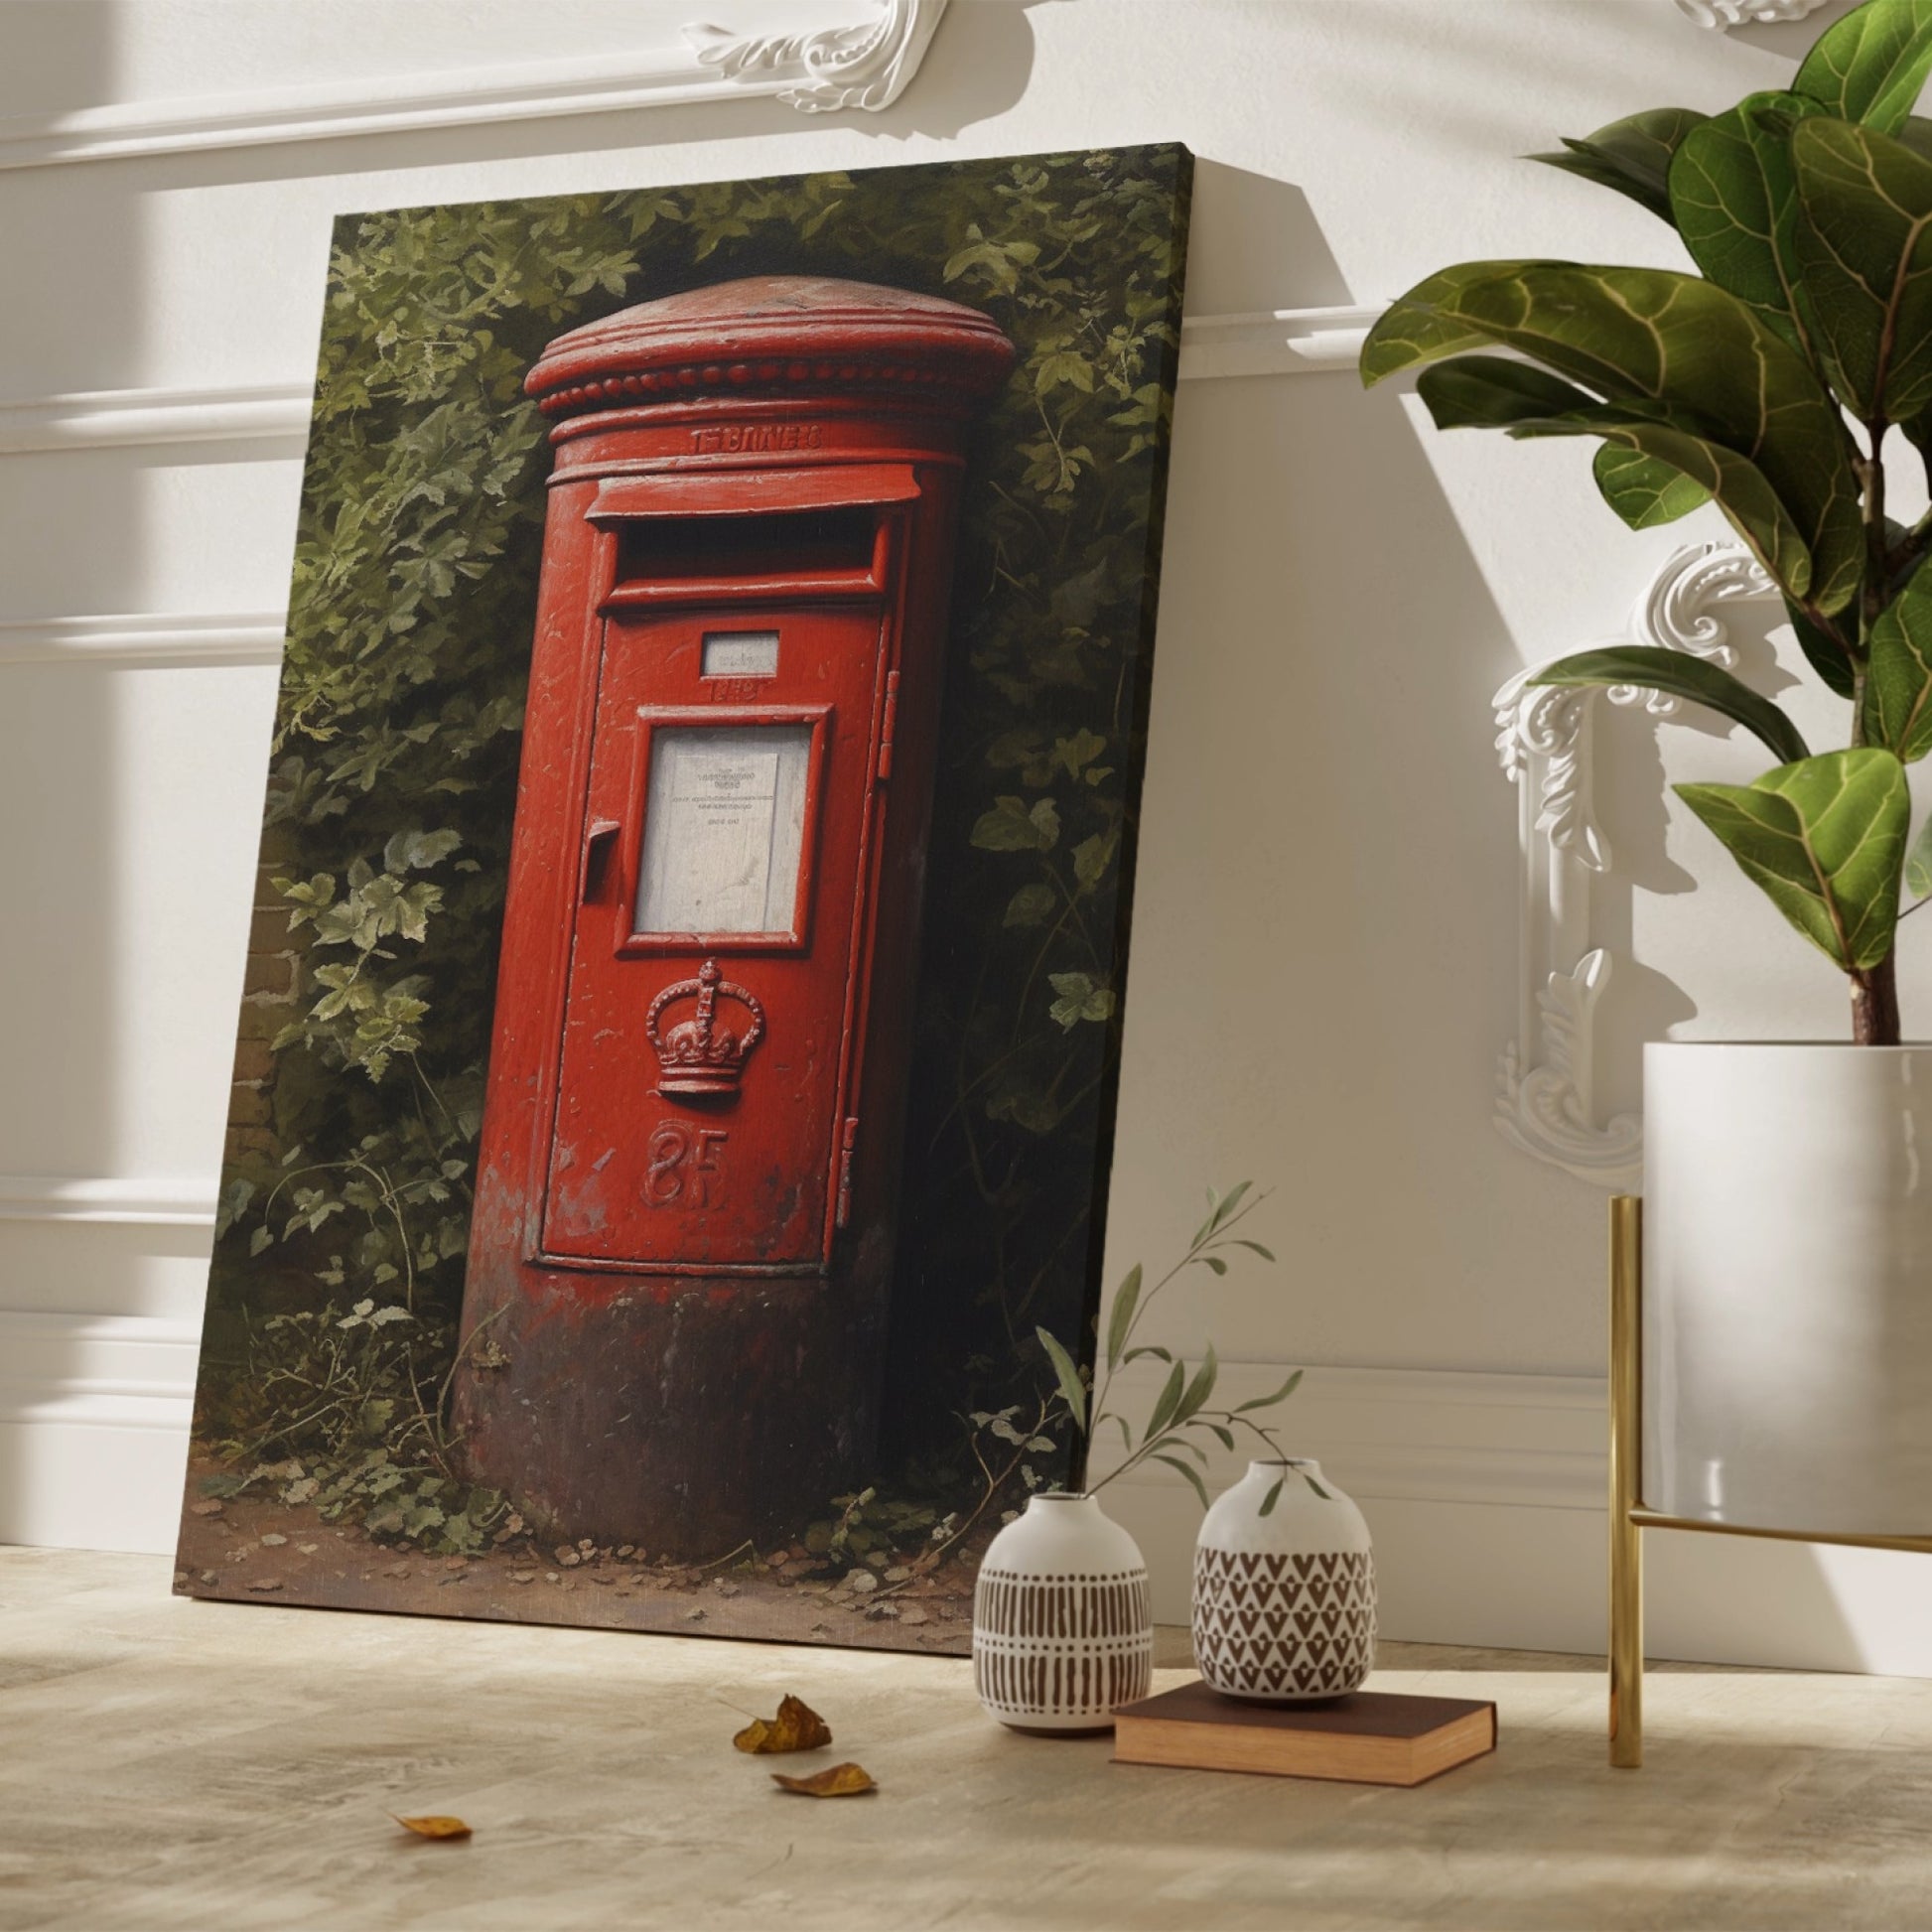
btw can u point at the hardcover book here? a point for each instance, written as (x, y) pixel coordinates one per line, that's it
(1367, 1738)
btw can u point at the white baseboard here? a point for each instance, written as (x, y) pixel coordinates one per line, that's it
(93, 1429)
(1486, 1494)
(1486, 1497)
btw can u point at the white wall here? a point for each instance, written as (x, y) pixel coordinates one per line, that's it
(1324, 961)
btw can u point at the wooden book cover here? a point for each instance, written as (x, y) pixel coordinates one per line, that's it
(1367, 1738)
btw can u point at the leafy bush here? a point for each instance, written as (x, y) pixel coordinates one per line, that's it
(394, 766)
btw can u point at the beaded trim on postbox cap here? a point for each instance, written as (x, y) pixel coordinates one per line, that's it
(783, 333)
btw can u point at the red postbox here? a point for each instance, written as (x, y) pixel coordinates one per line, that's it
(682, 1245)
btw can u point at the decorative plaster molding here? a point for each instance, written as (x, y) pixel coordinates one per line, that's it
(866, 66)
(1721, 14)
(1545, 1101)
(162, 639)
(1280, 341)
(1277, 341)
(836, 65)
(165, 1202)
(128, 418)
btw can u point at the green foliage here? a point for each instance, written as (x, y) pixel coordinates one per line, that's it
(1630, 157)
(1808, 214)
(1696, 678)
(1825, 837)
(393, 781)
(1180, 1415)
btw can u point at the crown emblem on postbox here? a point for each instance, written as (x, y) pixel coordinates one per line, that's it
(696, 1053)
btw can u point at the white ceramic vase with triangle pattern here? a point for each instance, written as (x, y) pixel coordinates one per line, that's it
(1284, 1602)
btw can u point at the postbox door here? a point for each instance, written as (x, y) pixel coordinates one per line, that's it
(720, 918)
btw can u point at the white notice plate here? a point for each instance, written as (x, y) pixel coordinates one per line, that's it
(724, 828)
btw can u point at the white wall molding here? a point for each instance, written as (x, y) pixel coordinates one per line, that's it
(1274, 341)
(158, 639)
(845, 62)
(165, 1202)
(1278, 341)
(130, 418)
(1723, 14)
(1487, 1498)
(1545, 1101)
(94, 1413)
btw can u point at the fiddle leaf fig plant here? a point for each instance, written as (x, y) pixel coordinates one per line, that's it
(1777, 381)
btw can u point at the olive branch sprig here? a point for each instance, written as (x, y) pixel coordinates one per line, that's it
(1180, 1410)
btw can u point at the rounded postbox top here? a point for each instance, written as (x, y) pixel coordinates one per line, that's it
(787, 334)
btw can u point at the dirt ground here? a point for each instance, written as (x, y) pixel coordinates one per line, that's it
(261, 1550)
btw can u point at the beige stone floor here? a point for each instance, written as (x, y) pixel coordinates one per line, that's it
(177, 1765)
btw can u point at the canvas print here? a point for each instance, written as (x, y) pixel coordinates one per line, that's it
(678, 1055)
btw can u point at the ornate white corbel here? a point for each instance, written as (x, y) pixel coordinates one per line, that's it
(1545, 1101)
(1746, 13)
(863, 65)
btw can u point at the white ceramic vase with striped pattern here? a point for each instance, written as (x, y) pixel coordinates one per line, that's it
(1061, 1632)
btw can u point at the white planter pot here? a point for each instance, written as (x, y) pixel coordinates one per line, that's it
(1284, 1603)
(1061, 1630)
(1787, 1292)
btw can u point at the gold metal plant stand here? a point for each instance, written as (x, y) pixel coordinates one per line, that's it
(1628, 1516)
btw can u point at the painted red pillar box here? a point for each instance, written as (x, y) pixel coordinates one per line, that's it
(682, 1246)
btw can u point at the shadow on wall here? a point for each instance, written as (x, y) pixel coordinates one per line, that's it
(58, 791)
(976, 66)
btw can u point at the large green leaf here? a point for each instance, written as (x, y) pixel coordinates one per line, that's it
(1826, 655)
(1873, 65)
(1423, 326)
(1488, 392)
(1642, 490)
(1867, 249)
(1899, 672)
(1495, 393)
(1631, 155)
(1825, 838)
(1736, 204)
(1653, 668)
(1666, 343)
(1918, 863)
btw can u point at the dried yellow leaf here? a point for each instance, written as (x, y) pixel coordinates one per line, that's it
(433, 1827)
(796, 1728)
(838, 1781)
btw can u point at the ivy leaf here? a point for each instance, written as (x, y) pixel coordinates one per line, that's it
(1015, 826)
(1899, 672)
(1654, 668)
(1073, 1390)
(1631, 155)
(1734, 196)
(1665, 348)
(1030, 905)
(1080, 998)
(1872, 65)
(1823, 837)
(1126, 1299)
(1643, 491)
(1866, 248)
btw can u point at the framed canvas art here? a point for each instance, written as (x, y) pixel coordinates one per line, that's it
(678, 1056)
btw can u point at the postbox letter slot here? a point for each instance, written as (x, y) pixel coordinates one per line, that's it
(597, 844)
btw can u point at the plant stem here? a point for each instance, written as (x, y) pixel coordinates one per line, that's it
(1874, 1005)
